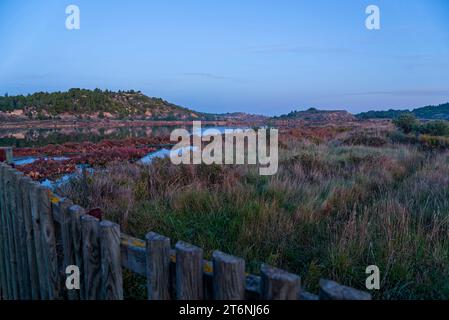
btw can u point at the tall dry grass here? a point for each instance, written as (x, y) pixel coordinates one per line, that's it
(330, 211)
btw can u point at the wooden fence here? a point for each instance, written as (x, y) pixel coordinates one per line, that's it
(41, 234)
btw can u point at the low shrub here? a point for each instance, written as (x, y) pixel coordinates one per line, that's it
(435, 128)
(365, 139)
(406, 122)
(429, 142)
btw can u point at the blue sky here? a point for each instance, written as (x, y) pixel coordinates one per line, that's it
(236, 55)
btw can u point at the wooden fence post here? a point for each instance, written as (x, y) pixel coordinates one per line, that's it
(59, 207)
(39, 250)
(91, 257)
(25, 280)
(70, 212)
(2, 274)
(278, 284)
(4, 258)
(16, 207)
(111, 262)
(72, 243)
(48, 239)
(158, 266)
(189, 272)
(228, 277)
(26, 186)
(10, 214)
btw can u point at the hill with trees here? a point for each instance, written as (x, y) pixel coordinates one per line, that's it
(315, 115)
(440, 112)
(93, 104)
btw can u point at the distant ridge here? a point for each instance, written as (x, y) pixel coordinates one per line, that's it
(315, 115)
(242, 116)
(439, 112)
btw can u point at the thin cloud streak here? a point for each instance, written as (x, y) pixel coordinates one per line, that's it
(411, 92)
(279, 48)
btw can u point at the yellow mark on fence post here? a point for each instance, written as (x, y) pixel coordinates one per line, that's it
(53, 198)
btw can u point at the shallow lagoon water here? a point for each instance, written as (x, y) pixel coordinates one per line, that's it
(128, 132)
(29, 160)
(30, 137)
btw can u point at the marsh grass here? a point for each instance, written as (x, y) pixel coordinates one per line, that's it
(330, 211)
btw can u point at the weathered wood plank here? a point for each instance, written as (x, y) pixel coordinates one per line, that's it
(3, 238)
(57, 214)
(10, 212)
(133, 254)
(59, 206)
(133, 259)
(278, 284)
(228, 277)
(48, 239)
(74, 249)
(304, 295)
(189, 272)
(22, 206)
(331, 290)
(39, 251)
(91, 257)
(16, 207)
(70, 213)
(26, 186)
(158, 266)
(2, 274)
(111, 264)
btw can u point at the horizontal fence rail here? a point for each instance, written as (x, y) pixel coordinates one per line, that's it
(42, 234)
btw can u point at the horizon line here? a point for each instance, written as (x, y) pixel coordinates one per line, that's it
(329, 109)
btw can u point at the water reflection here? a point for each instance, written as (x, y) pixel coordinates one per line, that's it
(20, 138)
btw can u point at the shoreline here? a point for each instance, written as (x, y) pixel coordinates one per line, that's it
(50, 124)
